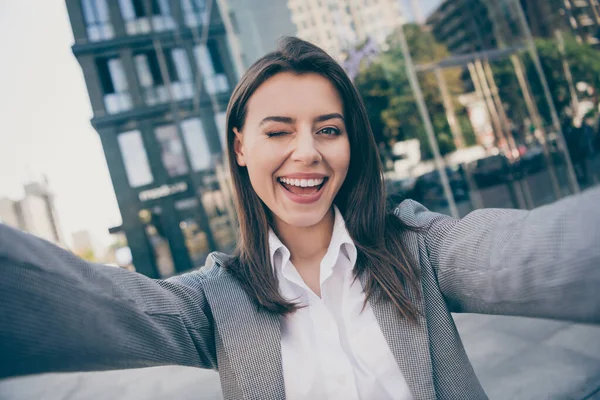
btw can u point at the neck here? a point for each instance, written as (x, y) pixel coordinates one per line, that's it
(308, 243)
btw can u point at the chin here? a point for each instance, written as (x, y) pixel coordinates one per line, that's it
(304, 219)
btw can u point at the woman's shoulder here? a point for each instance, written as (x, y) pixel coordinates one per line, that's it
(414, 214)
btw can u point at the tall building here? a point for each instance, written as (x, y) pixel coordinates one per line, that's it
(258, 24)
(339, 25)
(465, 25)
(472, 25)
(34, 213)
(159, 74)
(580, 17)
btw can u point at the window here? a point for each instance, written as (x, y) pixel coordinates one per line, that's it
(138, 19)
(221, 122)
(97, 20)
(210, 63)
(135, 158)
(194, 12)
(114, 85)
(183, 85)
(171, 150)
(195, 142)
(154, 83)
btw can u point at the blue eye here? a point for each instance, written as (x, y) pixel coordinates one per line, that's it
(330, 131)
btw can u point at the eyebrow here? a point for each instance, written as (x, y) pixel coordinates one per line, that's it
(290, 120)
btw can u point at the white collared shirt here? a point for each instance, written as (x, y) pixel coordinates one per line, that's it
(330, 349)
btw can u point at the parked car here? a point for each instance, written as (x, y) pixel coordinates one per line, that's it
(428, 188)
(399, 189)
(532, 161)
(492, 170)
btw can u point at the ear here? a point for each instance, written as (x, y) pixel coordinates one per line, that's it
(238, 147)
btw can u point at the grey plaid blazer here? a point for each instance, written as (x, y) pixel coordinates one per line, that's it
(59, 313)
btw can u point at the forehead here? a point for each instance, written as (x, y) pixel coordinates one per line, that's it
(288, 94)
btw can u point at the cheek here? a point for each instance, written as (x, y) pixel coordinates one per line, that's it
(340, 160)
(261, 162)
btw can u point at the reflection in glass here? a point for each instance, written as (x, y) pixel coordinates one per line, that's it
(195, 238)
(220, 226)
(171, 150)
(158, 241)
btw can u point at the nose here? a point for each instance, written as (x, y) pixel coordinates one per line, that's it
(305, 150)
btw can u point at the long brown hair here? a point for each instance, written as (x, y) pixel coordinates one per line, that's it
(361, 199)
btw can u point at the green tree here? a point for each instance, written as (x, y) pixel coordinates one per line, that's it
(389, 99)
(584, 63)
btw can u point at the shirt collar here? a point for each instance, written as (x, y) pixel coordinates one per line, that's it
(340, 240)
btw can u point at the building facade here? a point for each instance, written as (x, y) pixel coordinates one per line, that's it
(338, 26)
(159, 74)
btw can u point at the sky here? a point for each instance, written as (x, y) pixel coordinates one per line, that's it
(45, 118)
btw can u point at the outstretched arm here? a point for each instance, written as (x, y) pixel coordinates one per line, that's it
(540, 263)
(60, 313)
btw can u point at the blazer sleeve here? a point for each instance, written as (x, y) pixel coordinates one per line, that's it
(60, 313)
(540, 263)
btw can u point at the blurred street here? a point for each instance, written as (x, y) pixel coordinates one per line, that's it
(535, 190)
(514, 358)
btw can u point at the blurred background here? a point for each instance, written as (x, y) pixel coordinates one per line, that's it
(112, 119)
(112, 111)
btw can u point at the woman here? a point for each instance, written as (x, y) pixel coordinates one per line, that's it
(328, 295)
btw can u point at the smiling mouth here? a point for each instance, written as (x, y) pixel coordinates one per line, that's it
(303, 187)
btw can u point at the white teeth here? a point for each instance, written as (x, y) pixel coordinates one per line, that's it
(302, 182)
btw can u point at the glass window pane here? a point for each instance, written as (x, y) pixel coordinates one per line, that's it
(139, 9)
(127, 10)
(105, 76)
(186, 7)
(118, 75)
(165, 8)
(221, 122)
(89, 14)
(172, 151)
(203, 60)
(215, 56)
(135, 158)
(102, 11)
(182, 65)
(195, 141)
(143, 70)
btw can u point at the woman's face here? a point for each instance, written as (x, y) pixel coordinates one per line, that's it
(295, 146)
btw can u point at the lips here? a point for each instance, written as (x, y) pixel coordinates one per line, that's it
(303, 190)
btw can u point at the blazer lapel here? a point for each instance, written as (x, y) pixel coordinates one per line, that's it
(251, 339)
(409, 344)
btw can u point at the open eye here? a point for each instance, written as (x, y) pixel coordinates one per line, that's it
(330, 131)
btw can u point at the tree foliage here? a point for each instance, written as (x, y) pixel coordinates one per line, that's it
(389, 100)
(584, 64)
